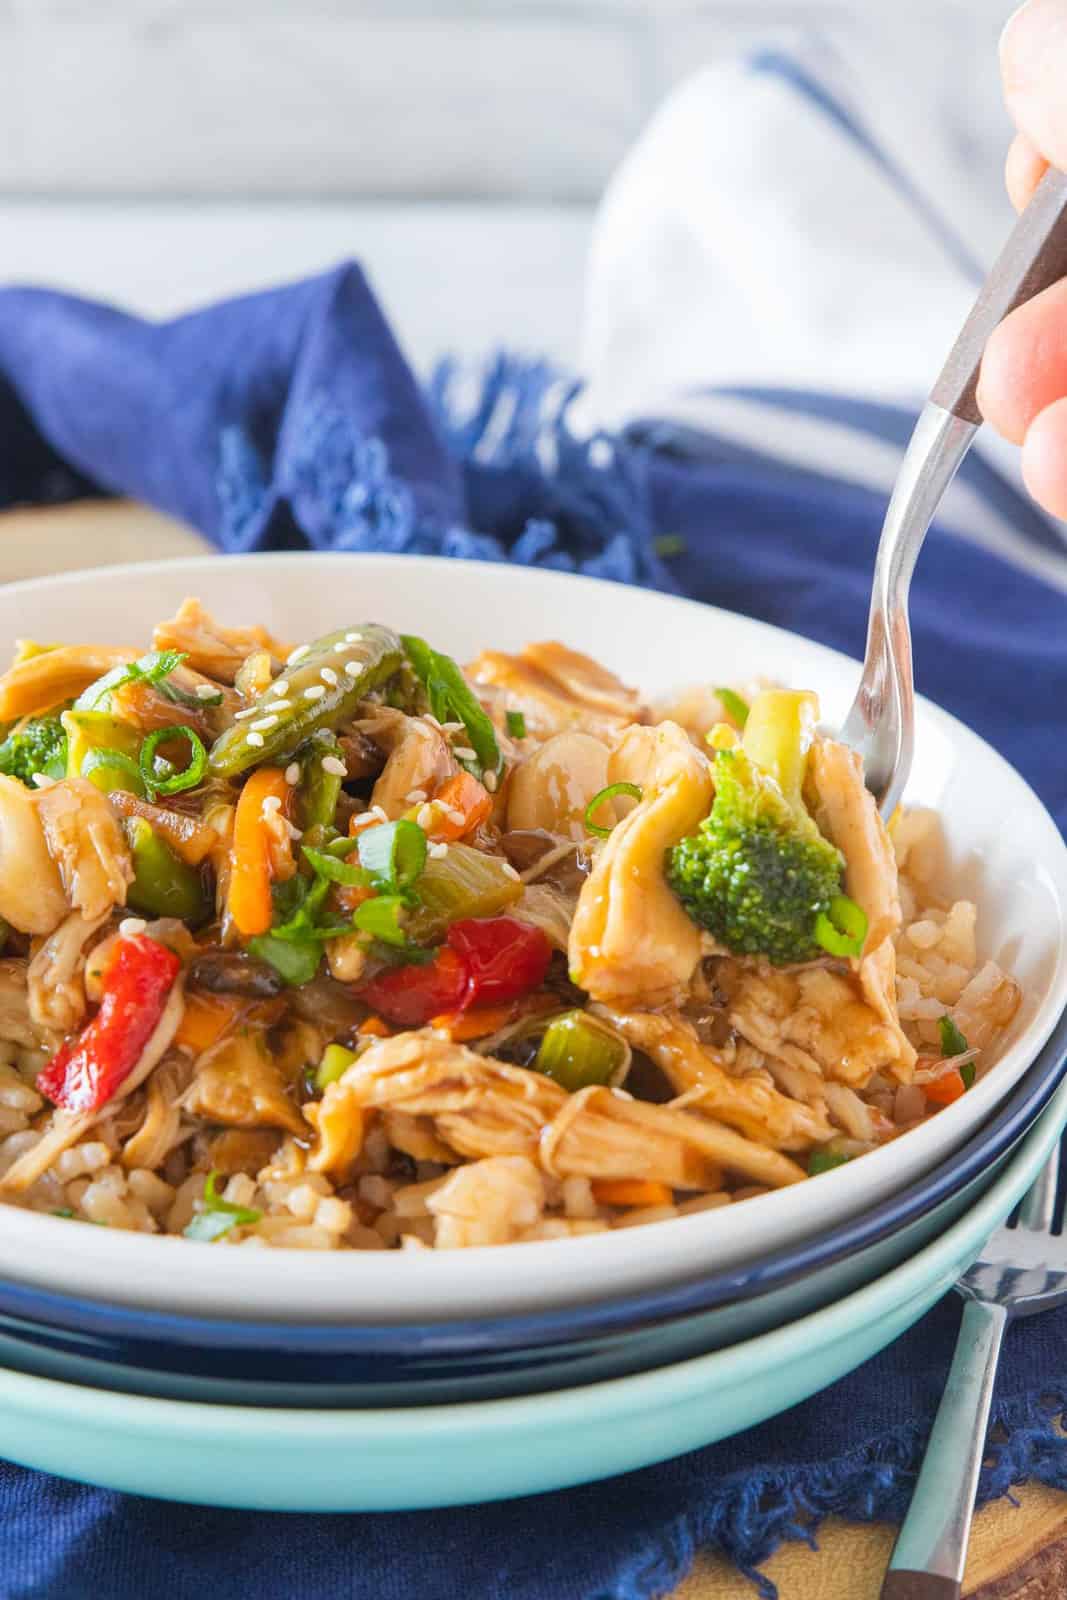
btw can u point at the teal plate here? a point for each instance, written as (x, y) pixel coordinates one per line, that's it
(379, 1460)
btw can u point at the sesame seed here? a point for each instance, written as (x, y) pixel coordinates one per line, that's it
(464, 752)
(314, 692)
(353, 638)
(437, 850)
(328, 675)
(340, 648)
(271, 803)
(366, 816)
(415, 796)
(334, 767)
(292, 773)
(256, 740)
(353, 669)
(281, 705)
(242, 716)
(263, 724)
(205, 691)
(280, 686)
(380, 812)
(428, 716)
(451, 727)
(509, 871)
(454, 814)
(42, 780)
(490, 781)
(425, 817)
(298, 655)
(130, 927)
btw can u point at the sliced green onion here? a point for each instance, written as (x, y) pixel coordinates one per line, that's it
(453, 700)
(736, 708)
(153, 668)
(825, 1161)
(381, 917)
(218, 1215)
(516, 722)
(842, 930)
(335, 1061)
(127, 772)
(63, 1211)
(326, 865)
(578, 1051)
(630, 789)
(967, 1074)
(952, 1041)
(394, 854)
(295, 962)
(172, 780)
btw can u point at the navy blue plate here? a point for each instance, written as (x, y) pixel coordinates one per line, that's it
(144, 1352)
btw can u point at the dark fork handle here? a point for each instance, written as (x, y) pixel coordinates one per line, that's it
(1034, 258)
(919, 1586)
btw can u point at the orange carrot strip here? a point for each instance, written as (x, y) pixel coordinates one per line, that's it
(942, 1091)
(477, 1023)
(631, 1192)
(462, 794)
(374, 1028)
(205, 1019)
(249, 899)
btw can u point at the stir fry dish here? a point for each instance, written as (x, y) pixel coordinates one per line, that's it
(341, 946)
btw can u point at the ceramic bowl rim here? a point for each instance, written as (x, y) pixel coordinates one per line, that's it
(121, 1249)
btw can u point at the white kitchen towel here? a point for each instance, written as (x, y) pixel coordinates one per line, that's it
(779, 267)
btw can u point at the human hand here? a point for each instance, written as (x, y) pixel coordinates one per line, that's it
(1022, 391)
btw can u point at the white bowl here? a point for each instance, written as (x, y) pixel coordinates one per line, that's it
(1009, 857)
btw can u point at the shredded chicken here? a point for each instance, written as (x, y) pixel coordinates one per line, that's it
(847, 815)
(419, 758)
(986, 1006)
(604, 1133)
(161, 1126)
(17, 1023)
(31, 889)
(338, 1123)
(242, 1086)
(817, 1019)
(487, 1202)
(210, 648)
(86, 843)
(482, 1107)
(751, 1103)
(54, 677)
(630, 938)
(878, 980)
(55, 978)
(557, 688)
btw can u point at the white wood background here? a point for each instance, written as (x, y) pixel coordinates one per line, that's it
(501, 100)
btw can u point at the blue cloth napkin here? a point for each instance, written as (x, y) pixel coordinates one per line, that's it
(289, 419)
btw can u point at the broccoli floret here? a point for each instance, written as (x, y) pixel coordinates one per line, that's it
(39, 745)
(757, 873)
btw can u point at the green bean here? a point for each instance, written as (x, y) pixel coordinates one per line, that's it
(319, 790)
(320, 687)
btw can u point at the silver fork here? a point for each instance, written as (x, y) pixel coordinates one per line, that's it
(1022, 1269)
(880, 724)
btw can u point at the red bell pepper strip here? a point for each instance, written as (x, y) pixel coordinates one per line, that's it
(505, 958)
(84, 1073)
(486, 961)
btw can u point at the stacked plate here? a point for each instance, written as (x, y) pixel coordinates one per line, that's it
(548, 1363)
